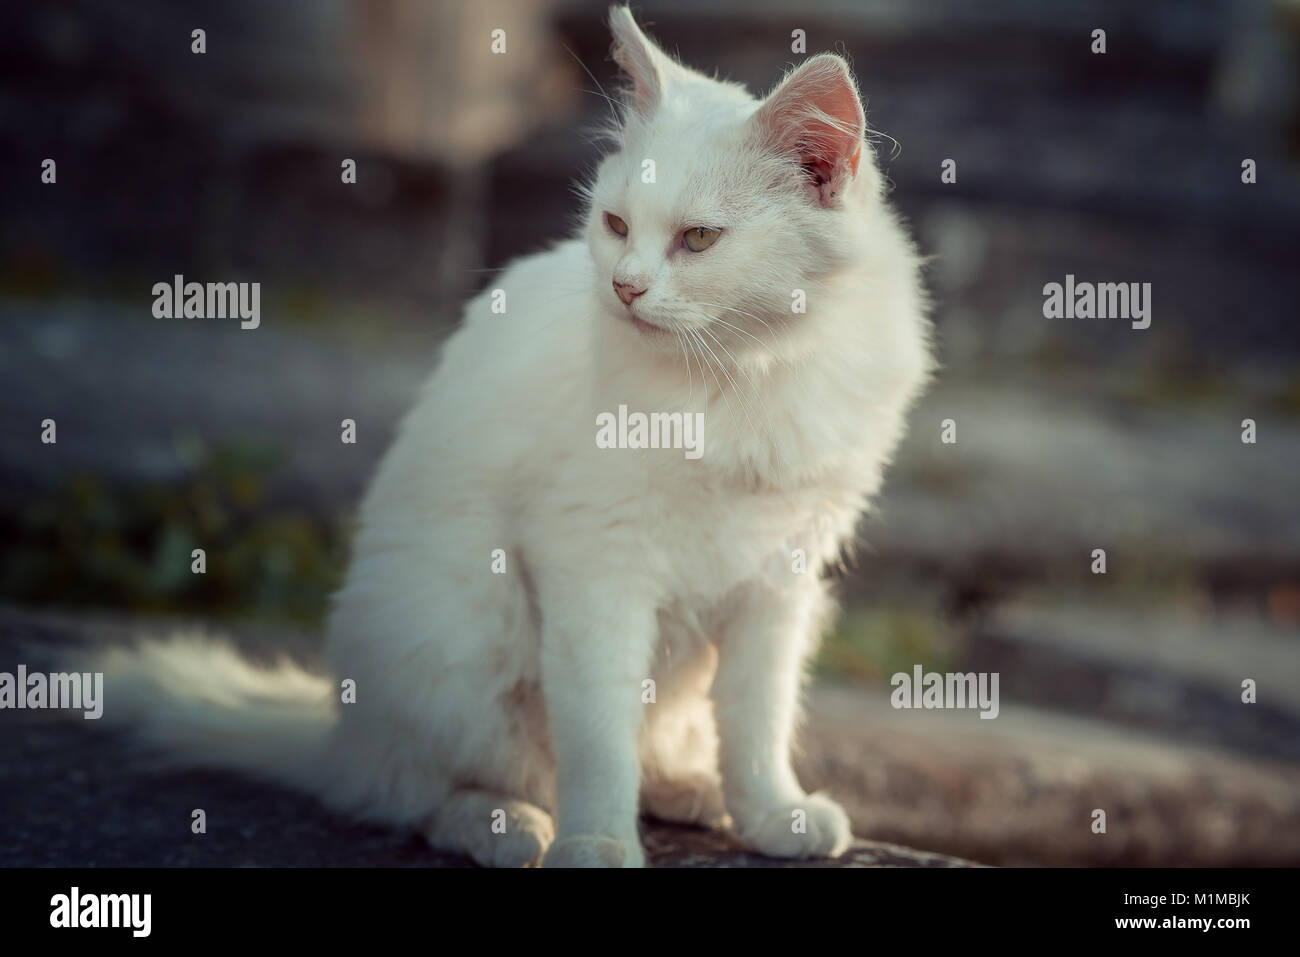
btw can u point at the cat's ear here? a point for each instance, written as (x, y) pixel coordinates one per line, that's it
(644, 63)
(815, 113)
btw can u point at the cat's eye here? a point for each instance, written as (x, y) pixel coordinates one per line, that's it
(616, 224)
(700, 238)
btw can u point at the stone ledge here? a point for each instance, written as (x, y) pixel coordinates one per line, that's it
(71, 795)
(669, 846)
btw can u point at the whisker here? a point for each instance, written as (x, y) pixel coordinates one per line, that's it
(613, 106)
(779, 462)
(756, 318)
(690, 378)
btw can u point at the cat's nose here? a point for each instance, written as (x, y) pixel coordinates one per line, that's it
(628, 291)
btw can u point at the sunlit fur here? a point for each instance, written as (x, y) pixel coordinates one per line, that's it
(523, 697)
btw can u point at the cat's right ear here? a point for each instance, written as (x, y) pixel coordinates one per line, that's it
(645, 64)
(816, 115)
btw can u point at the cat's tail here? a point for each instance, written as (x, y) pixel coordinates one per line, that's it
(193, 700)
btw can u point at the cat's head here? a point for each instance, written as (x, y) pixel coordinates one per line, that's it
(718, 211)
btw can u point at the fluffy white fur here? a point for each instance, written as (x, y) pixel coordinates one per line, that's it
(481, 693)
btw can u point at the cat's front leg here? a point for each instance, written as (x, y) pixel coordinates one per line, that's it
(765, 641)
(597, 644)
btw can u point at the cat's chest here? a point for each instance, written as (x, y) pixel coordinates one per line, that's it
(709, 541)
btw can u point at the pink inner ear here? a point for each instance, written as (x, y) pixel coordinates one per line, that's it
(816, 113)
(635, 55)
(644, 96)
(822, 171)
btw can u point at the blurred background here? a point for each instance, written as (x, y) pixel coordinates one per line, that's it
(1119, 691)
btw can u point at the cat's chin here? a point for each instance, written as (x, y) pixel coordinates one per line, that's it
(642, 327)
(646, 328)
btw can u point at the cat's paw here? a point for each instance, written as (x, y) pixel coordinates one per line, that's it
(469, 823)
(594, 850)
(529, 833)
(692, 799)
(814, 827)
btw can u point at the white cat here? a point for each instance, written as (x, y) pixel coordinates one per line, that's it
(638, 640)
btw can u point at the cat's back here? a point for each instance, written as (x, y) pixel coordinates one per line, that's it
(530, 323)
(521, 355)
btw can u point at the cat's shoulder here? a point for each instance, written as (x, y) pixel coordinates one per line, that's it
(551, 279)
(565, 264)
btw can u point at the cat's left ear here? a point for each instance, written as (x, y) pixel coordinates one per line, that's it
(816, 114)
(645, 64)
